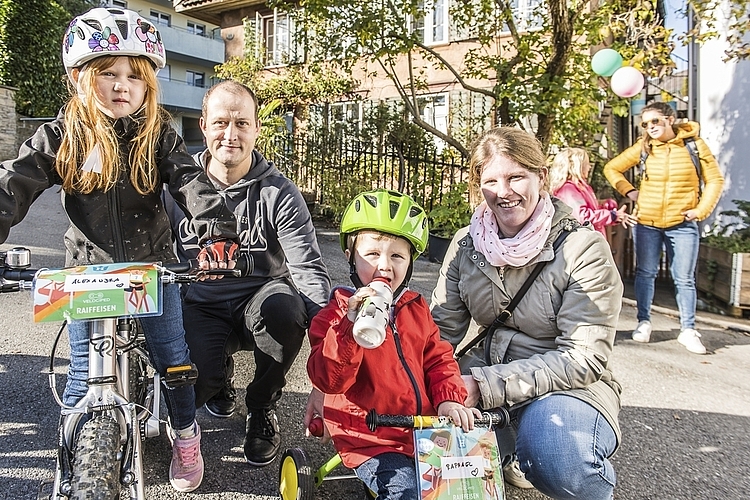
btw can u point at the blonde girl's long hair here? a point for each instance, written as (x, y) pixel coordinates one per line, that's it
(568, 165)
(86, 126)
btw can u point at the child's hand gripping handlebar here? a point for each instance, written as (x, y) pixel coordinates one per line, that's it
(497, 418)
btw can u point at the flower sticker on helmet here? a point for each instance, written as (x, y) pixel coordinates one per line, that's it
(104, 40)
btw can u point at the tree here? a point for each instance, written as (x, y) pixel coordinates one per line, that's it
(722, 17)
(295, 85)
(537, 66)
(31, 33)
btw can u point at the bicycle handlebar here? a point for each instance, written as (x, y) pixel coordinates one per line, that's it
(497, 418)
(14, 278)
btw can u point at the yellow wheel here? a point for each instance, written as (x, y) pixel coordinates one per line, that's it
(296, 480)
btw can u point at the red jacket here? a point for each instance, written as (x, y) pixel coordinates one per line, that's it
(411, 373)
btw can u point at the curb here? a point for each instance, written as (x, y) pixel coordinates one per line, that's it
(729, 325)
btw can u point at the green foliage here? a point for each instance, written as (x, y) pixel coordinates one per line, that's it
(31, 32)
(538, 77)
(452, 212)
(716, 18)
(296, 86)
(732, 236)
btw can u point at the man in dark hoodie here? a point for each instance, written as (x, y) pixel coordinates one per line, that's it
(267, 312)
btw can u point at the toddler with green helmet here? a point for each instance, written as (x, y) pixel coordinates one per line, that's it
(411, 372)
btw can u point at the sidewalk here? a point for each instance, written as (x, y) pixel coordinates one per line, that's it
(665, 303)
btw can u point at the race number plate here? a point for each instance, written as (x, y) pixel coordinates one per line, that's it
(97, 291)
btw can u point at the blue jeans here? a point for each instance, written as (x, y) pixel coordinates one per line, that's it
(165, 339)
(682, 243)
(563, 445)
(390, 476)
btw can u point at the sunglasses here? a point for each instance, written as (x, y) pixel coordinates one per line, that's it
(652, 121)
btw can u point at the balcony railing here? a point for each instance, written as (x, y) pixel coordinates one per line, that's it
(180, 95)
(185, 46)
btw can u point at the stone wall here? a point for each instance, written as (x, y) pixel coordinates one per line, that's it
(14, 128)
(8, 124)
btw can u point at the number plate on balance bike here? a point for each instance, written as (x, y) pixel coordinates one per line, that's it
(97, 291)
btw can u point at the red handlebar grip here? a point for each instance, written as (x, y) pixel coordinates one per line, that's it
(316, 427)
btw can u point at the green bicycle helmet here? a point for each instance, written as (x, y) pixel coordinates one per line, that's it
(389, 212)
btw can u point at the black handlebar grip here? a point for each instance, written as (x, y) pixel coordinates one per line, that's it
(499, 418)
(18, 274)
(242, 268)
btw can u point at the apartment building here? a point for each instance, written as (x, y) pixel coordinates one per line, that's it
(444, 103)
(194, 47)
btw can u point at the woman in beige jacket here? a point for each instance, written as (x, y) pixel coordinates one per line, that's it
(669, 204)
(549, 362)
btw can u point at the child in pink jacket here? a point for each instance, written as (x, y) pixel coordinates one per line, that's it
(567, 179)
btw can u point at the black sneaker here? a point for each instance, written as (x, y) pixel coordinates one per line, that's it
(262, 440)
(222, 405)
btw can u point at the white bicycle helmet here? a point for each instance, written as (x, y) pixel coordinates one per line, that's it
(111, 32)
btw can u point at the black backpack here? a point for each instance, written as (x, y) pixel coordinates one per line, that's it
(692, 149)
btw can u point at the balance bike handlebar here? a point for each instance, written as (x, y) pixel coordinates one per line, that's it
(498, 417)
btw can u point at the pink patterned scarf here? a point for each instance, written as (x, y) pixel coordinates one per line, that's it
(521, 248)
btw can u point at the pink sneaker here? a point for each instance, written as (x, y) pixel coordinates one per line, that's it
(186, 469)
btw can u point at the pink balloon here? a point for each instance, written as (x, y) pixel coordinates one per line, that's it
(627, 82)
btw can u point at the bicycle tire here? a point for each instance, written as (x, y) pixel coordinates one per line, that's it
(96, 469)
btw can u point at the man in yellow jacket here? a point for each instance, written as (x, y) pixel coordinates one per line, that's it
(669, 205)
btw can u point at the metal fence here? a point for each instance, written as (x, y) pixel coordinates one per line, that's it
(331, 169)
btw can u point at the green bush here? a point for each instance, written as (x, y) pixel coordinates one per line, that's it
(734, 236)
(452, 212)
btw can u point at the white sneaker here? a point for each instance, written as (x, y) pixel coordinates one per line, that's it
(691, 339)
(642, 332)
(513, 475)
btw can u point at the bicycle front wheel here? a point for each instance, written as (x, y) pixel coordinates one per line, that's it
(96, 469)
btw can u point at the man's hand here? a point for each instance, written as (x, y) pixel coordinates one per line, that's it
(315, 410)
(217, 254)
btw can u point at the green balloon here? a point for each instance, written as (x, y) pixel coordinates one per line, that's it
(606, 62)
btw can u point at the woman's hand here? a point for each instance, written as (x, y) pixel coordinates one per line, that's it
(315, 410)
(473, 389)
(460, 414)
(624, 218)
(690, 215)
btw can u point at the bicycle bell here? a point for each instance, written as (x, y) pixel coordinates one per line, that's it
(18, 258)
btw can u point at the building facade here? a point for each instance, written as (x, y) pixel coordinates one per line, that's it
(193, 48)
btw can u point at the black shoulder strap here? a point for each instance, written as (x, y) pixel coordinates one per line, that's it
(506, 313)
(695, 157)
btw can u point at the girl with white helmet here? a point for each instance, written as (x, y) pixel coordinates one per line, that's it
(111, 149)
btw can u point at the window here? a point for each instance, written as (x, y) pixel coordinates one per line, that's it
(195, 78)
(161, 18)
(434, 110)
(432, 26)
(122, 4)
(275, 41)
(196, 29)
(346, 116)
(276, 38)
(527, 14)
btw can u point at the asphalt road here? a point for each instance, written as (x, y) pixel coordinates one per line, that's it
(685, 418)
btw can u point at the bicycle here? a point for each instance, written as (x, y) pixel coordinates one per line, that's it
(298, 480)
(100, 439)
